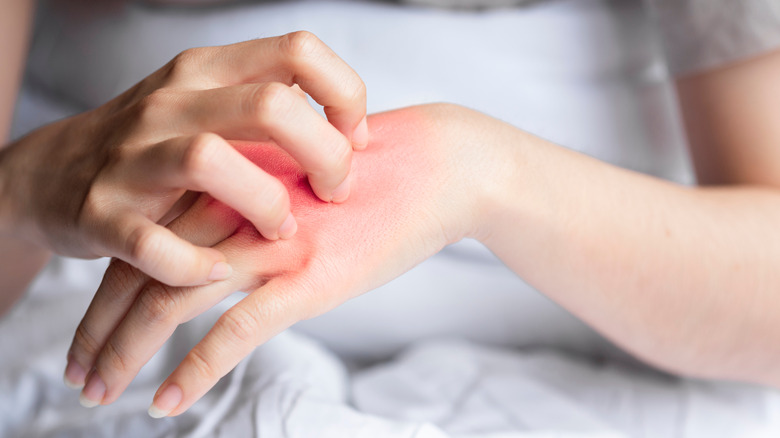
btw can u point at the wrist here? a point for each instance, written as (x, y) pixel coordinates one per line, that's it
(510, 195)
(20, 168)
(14, 227)
(484, 160)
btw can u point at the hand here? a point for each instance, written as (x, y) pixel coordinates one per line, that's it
(422, 184)
(104, 183)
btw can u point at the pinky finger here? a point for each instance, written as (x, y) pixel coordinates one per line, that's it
(163, 255)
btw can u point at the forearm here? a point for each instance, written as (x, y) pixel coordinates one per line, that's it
(15, 19)
(684, 278)
(20, 260)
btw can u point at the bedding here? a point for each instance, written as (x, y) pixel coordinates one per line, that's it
(295, 387)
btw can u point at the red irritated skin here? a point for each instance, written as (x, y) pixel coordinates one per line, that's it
(408, 201)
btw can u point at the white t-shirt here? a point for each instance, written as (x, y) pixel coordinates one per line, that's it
(698, 34)
(705, 34)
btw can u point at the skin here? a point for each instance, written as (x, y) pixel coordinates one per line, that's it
(20, 260)
(105, 182)
(684, 278)
(339, 251)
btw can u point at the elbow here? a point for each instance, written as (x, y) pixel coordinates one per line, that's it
(714, 354)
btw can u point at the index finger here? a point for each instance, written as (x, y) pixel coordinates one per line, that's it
(295, 58)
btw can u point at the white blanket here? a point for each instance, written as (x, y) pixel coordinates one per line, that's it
(294, 387)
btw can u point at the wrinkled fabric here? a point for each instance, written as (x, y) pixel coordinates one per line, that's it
(705, 34)
(295, 387)
(698, 35)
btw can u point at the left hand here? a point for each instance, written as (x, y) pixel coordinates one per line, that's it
(423, 183)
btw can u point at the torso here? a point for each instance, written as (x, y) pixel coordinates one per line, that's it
(580, 73)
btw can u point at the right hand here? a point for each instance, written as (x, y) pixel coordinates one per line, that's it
(105, 182)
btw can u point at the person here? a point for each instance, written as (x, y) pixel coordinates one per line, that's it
(679, 276)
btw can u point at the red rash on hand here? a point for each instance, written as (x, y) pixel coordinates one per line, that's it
(389, 212)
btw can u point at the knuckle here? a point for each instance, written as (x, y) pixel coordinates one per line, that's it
(335, 160)
(186, 63)
(85, 342)
(269, 101)
(200, 154)
(143, 244)
(241, 324)
(120, 279)
(355, 91)
(158, 304)
(112, 357)
(93, 208)
(119, 283)
(302, 44)
(202, 365)
(275, 201)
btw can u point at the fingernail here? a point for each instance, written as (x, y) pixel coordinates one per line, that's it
(220, 271)
(360, 137)
(342, 191)
(74, 375)
(166, 402)
(93, 391)
(288, 228)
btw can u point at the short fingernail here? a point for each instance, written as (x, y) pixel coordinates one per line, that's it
(74, 375)
(360, 137)
(288, 228)
(93, 391)
(166, 402)
(220, 271)
(342, 191)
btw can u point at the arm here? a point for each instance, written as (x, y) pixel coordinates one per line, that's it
(15, 26)
(685, 278)
(20, 260)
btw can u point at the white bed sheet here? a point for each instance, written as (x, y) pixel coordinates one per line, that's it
(293, 387)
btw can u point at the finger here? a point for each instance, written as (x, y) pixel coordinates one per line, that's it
(115, 306)
(296, 58)
(150, 321)
(206, 223)
(251, 322)
(207, 163)
(183, 204)
(274, 110)
(161, 254)
(113, 298)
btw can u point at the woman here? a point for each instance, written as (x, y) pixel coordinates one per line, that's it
(679, 277)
